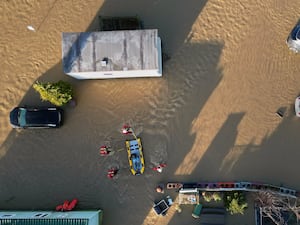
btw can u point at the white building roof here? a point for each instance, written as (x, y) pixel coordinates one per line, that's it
(112, 54)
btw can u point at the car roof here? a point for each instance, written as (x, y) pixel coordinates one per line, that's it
(41, 117)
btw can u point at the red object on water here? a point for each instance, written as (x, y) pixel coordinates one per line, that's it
(126, 129)
(159, 168)
(72, 204)
(67, 206)
(59, 208)
(111, 173)
(104, 151)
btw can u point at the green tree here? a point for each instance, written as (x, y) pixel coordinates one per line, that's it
(216, 196)
(209, 196)
(58, 93)
(235, 202)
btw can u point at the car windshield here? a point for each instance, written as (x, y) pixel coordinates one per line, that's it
(22, 117)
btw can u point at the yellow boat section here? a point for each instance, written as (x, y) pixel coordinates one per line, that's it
(135, 156)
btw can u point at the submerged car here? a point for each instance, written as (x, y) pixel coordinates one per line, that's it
(22, 117)
(293, 40)
(135, 156)
(297, 106)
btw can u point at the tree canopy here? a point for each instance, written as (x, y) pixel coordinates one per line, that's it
(235, 202)
(58, 93)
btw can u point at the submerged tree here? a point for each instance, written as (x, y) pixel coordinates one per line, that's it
(58, 93)
(209, 196)
(235, 202)
(275, 206)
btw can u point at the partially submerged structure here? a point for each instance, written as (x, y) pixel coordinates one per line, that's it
(112, 54)
(188, 196)
(235, 186)
(93, 217)
(108, 23)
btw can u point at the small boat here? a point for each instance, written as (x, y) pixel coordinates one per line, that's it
(135, 156)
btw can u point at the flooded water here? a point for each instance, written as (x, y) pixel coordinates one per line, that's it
(212, 116)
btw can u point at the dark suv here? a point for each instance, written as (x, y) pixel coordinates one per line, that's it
(23, 117)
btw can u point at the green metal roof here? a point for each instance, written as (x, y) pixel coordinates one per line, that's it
(62, 221)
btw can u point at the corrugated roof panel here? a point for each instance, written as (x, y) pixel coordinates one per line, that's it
(134, 49)
(110, 51)
(35, 221)
(149, 41)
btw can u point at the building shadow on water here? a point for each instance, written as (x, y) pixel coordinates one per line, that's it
(54, 165)
(192, 75)
(207, 169)
(173, 19)
(275, 160)
(41, 168)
